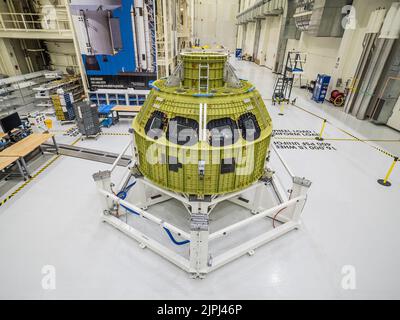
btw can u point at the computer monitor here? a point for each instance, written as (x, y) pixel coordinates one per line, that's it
(10, 122)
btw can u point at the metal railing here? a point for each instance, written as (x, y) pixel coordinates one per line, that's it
(33, 22)
(260, 10)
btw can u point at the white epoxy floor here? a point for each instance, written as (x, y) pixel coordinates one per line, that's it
(349, 219)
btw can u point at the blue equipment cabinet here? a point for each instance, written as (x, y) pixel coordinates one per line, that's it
(238, 54)
(321, 88)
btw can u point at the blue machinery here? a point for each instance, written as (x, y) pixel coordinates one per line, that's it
(321, 88)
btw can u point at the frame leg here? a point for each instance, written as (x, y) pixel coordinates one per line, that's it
(116, 116)
(103, 182)
(199, 225)
(141, 194)
(25, 167)
(55, 144)
(300, 188)
(257, 200)
(21, 170)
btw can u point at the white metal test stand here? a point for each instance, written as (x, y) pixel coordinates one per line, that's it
(199, 262)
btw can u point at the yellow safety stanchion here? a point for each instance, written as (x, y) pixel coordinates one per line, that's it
(385, 182)
(319, 138)
(282, 107)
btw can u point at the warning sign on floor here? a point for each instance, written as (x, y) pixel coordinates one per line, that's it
(294, 133)
(294, 145)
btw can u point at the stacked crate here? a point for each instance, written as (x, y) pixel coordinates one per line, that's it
(87, 118)
(55, 98)
(67, 100)
(63, 105)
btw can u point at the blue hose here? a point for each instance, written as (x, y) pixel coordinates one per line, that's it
(178, 243)
(124, 193)
(130, 186)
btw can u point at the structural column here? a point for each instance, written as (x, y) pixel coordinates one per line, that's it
(300, 188)
(103, 182)
(199, 226)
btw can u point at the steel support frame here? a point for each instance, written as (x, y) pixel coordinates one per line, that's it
(12, 174)
(22, 163)
(200, 261)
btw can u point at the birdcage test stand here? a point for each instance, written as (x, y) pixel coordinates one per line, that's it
(286, 214)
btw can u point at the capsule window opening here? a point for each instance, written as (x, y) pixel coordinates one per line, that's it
(222, 132)
(155, 125)
(183, 131)
(249, 127)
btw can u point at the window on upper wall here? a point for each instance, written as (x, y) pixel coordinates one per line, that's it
(223, 132)
(155, 125)
(183, 131)
(249, 127)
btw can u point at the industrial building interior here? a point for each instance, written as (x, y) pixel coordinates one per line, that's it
(97, 201)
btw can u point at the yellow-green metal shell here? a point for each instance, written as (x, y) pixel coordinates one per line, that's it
(224, 102)
(192, 67)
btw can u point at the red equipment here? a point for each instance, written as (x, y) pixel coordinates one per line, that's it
(337, 98)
